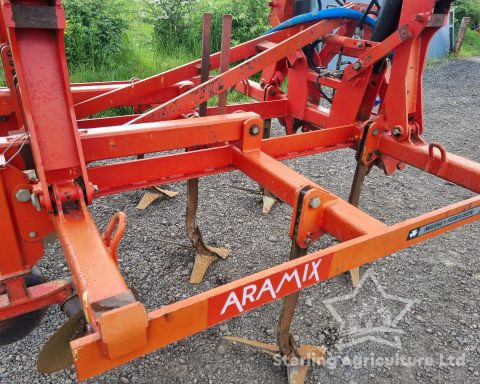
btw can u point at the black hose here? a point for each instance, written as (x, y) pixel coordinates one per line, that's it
(308, 51)
(387, 23)
(367, 12)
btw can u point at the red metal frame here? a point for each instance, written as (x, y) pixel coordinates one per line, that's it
(46, 118)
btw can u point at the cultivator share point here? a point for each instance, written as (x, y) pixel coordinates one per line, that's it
(354, 81)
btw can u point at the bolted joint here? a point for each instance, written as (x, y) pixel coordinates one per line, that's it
(315, 203)
(254, 130)
(357, 65)
(397, 131)
(23, 195)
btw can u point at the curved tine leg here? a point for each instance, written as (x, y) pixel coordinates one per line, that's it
(285, 341)
(297, 358)
(204, 255)
(269, 199)
(360, 173)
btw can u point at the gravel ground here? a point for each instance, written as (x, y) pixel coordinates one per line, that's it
(440, 276)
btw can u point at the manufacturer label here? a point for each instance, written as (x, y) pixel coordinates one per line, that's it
(414, 233)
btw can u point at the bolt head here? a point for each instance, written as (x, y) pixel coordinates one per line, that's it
(32, 235)
(375, 132)
(357, 65)
(397, 131)
(315, 202)
(23, 195)
(254, 130)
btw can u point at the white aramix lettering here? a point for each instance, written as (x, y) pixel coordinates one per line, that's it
(252, 293)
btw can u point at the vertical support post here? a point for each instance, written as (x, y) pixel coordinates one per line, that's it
(461, 35)
(192, 184)
(206, 50)
(225, 60)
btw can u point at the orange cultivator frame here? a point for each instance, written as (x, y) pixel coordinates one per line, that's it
(45, 130)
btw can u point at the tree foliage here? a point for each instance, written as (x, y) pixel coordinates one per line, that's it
(95, 32)
(470, 8)
(180, 22)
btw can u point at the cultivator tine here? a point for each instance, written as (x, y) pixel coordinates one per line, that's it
(361, 172)
(285, 341)
(296, 370)
(268, 201)
(200, 267)
(56, 354)
(152, 195)
(357, 185)
(297, 374)
(268, 348)
(204, 255)
(297, 357)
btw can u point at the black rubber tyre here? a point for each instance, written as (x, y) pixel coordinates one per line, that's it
(15, 329)
(387, 23)
(302, 7)
(388, 19)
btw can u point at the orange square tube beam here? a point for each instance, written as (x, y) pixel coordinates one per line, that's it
(177, 321)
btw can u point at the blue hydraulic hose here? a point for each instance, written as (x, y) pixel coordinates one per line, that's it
(333, 13)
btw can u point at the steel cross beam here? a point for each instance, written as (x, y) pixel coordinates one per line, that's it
(177, 321)
(129, 94)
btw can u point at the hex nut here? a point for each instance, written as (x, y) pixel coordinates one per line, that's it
(23, 195)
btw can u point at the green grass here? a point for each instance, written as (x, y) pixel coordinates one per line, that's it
(141, 59)
(471, 44)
